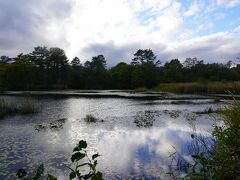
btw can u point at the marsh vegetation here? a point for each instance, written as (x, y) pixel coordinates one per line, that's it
(8, 108)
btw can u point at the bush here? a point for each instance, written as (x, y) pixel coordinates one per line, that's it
(219, 156)
(90, 118)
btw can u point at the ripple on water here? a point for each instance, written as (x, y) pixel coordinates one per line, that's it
(134, 140)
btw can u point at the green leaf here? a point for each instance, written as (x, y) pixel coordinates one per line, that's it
(95, 156)
(92, 166)
(72, 175)
(192, 136)
(82, 144)
(76, 149)
(78, 173)
(196, 156)
(77, 156)
(39, 172)
(51, 177)
(87, 176)
(97, 176)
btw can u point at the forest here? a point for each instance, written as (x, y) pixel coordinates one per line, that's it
(49, 68)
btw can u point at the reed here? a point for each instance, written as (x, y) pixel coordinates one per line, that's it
(200, 88)
(8, 108)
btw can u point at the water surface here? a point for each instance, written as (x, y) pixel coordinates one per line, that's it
(135, 136)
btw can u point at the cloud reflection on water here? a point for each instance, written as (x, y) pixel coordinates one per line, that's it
(127, 150)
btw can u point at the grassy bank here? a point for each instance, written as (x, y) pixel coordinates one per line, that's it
(12, 108)
(200, 88)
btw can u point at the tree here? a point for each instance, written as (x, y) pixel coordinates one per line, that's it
(190, 62)
(40, 56)
(75, 62)
(172, 71)
(121, 75)
(145, 56)
(96, 73)
(145, 68)
(57, 58)
(58, 66)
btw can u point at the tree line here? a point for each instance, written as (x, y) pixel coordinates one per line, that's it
(49, 68)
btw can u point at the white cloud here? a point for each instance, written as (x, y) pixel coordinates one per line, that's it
(227, 3)
(194, 8)
(117, 28)
(104, 21)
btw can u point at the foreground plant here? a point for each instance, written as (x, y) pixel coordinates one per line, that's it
(80, 153)
(216, 157)
(81, 161)
(219, 156)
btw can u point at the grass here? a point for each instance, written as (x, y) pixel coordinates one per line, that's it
(218, 157)
(11, 108)
(90, 118)
(141, 89)
(202, 88)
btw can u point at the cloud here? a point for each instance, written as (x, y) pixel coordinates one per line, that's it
(218, 47)
(194, 8)
(25, 24)
(115, 53)
(227, 3)
(117, 29)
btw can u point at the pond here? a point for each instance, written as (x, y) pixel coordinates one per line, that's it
(134, 136)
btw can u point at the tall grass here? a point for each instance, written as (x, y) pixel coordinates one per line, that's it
(90, 118)
(197, 87)
(218, 157)
(12, 108)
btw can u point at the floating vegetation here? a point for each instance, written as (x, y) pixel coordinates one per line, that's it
(144, 120)
(54, 125)
(190, 116)
(13, 108)
(173, 114)
(147, 118)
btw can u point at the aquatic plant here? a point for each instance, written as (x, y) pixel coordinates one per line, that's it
(90, 118)
(79, 155)
(198, 87)
(53, 125)
(144, 119)
(12, 108)
(28, 107)
(217, 156)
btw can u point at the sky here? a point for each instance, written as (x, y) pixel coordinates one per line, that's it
(207, 29)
